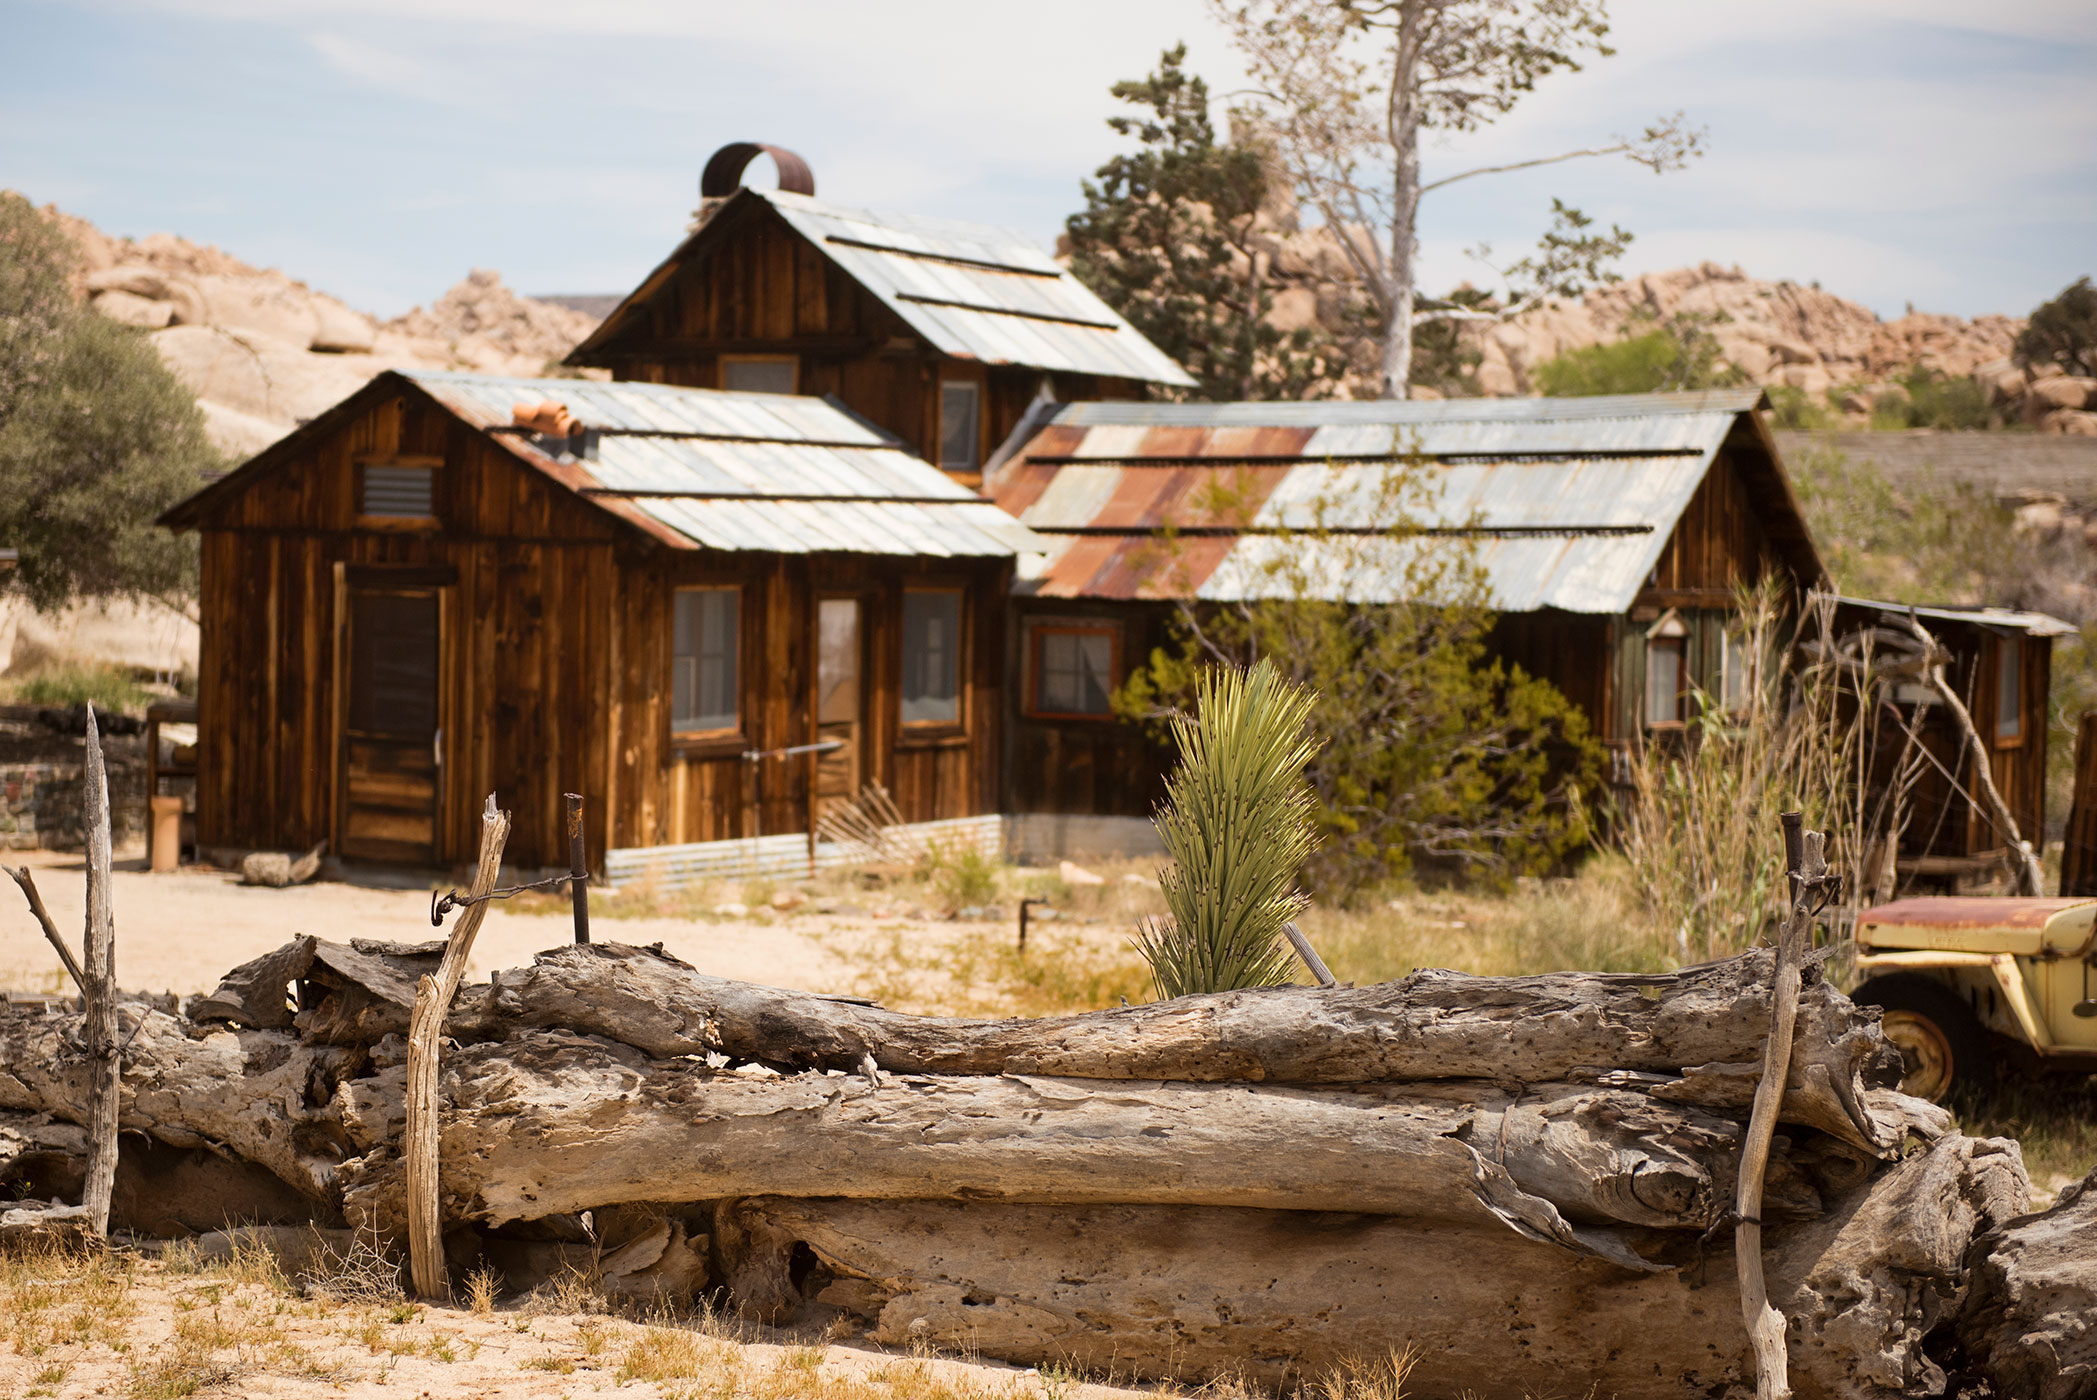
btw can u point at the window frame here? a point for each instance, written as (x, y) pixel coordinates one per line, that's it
(427, 464)
(975, 447)
(1037, 632)
(733, 738)
(1672, 633)
(2009, 662)
(924, 731)
(721, 371)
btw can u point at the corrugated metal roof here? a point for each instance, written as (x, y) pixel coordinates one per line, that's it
(774, 473)
(978, 292)
(1570, 501)
(2030, 623)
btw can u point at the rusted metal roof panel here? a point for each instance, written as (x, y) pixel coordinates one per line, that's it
(1568, 502)
(771, 473)
(978, 292)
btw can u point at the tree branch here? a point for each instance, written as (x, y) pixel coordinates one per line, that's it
(1618, 149)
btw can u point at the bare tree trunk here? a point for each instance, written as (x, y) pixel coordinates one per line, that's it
(99, 995)
(1404, 133)
(425, 1038)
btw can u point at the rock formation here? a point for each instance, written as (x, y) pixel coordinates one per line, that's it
(263, 351)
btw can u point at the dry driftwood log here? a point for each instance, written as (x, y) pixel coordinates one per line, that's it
(2030, 1320)
(1506, 1169)
(1550, 1161)
(1179, 1291)
(1432, 1025)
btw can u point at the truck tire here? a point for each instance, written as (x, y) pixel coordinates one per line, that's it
(1941, 1043)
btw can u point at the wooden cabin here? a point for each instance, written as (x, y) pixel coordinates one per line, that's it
(1613, 533)
(2000, 665)
(941, 333)
(454, 584)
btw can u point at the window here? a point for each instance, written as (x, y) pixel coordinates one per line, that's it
(931, 657)
(707, 629)
(1666, 647)
(958, 425)
(2009, 689)
(761, 374)
(1737, 675)
(1074, 670)
(395, 493)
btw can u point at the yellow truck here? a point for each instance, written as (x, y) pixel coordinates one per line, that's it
(1967, 983)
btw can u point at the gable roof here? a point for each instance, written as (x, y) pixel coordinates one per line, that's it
(969, 290)
(702, 468)
(1572, 501)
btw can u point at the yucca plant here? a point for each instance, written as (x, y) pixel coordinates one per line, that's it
(1236, 821)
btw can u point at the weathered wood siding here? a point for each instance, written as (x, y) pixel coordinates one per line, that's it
(555, 674)
(669, 790)
(1094, 766)
(531, 572)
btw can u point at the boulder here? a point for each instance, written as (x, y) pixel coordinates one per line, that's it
(139, 279)
(268, 305)
(2061, 391)
(133, 310)
(255, 375)
(240, 435)
(1294, 309)
(2070, 422)
(338, 330)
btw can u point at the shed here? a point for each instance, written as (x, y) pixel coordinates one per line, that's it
(2001, 668)
(942, 333)
(1613, 531)
(451, 584)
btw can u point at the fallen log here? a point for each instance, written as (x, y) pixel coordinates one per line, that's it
(250, 1094)
(2029, 1325)
(1190, 1294)
(550, 1123)
(1430, 1025)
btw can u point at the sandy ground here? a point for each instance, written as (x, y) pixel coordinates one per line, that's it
(179, 932)
(150, 1332)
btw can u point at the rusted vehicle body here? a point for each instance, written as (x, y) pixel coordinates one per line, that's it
(1969, 984)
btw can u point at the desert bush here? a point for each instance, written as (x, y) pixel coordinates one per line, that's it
(1934, 399)
(108, 688)
(1796, 410)
(1430, 751)
(1236, 821)
(1700, 826)
(961, 874)
(1679, 354)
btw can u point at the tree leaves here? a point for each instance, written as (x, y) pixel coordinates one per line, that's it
(97, 437)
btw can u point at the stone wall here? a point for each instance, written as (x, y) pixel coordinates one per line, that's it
(40, 806)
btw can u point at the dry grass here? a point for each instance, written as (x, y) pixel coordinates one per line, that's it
(2053, 1119)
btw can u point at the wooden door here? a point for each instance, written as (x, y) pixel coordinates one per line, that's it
(392, 731)
(840, 701)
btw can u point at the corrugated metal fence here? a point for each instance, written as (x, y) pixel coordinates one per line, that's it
(670, 867)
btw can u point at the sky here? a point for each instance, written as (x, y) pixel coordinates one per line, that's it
(1925, 152)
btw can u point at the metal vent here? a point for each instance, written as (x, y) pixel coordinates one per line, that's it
(398, 493)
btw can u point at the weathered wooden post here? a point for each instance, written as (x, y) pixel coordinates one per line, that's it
(1806, 867)
(578, 867)
(425, 1037)
(99, 995)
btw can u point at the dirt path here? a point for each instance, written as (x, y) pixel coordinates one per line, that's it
(180, 932)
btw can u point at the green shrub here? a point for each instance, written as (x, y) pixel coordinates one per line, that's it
(2063, 331)
(1797, 411)
(1236, 822)
(107, 688)
(1934, 399)
(962, 875)
(1678, 355)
